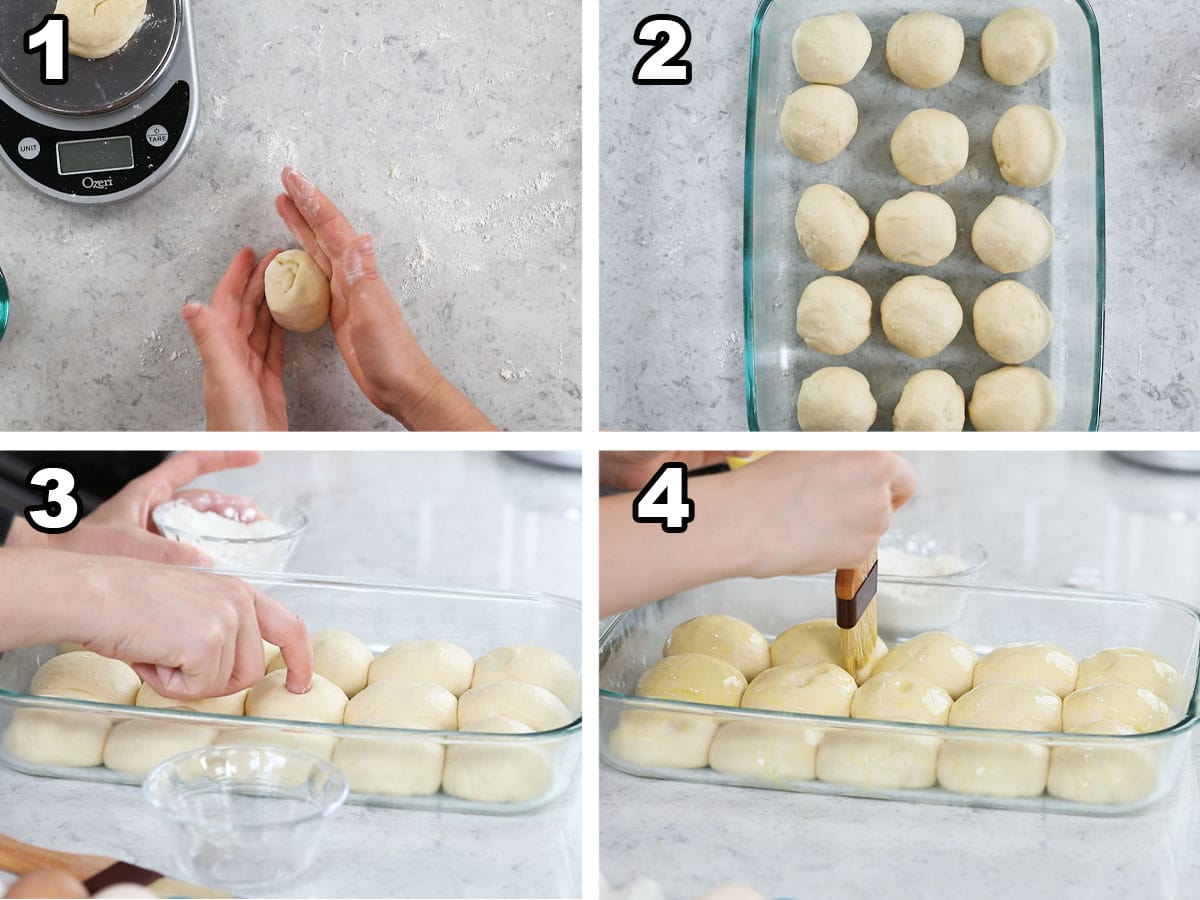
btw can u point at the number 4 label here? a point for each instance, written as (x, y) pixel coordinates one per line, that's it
(50, 37)
(664, 500)
(670, 37)
(59, 512)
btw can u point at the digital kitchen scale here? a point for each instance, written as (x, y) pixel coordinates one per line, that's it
(118, 126)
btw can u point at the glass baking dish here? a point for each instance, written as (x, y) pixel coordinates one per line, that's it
(776, 270)
(984, 617)
(380, 614)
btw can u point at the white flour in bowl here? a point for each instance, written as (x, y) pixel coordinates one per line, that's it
(907, 609)
(230, 541)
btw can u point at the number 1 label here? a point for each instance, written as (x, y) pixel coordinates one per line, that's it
(50, 39)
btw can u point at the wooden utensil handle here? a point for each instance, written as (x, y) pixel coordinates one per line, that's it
(21, 859)
(847, 581)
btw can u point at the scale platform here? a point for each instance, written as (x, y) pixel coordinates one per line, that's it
(118, 126)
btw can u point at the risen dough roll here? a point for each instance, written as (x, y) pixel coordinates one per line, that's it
(297, 292)
(736, 642)
(662, 740)
(402, 703)
(1029, 145)
(1140, 668)
(818, 122)
(931, 401)
(831, 49)
(138, 746)
(820, 688)
(831, 227)
(930, 146)
(924, 49)
(836, 398)
(83, 675)
(921, 316)
(525, 703)
(1101, 773)
(819, 641)
(340, 657)
(490, 774)
(1046, 664)
(270, 699)
(1019, 44)
(439, 661)
(229, 705)
(1012, 324)
(834, 315)
(1012, 235)
(1137, 707)
(918, 228)
(901, 697)
(100, 29)
(693, 677)
(940, 657)
(534, 665)
(1015, 398)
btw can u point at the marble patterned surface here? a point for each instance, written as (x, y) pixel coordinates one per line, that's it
(1084, 520)
(396, 517)
(453, 137)
(671, 167)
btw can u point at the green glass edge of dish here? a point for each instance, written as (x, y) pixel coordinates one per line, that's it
(4, 305)
(748, 216)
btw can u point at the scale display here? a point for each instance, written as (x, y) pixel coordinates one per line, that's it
(98, 155)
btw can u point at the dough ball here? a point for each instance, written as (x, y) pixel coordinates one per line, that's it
(533, 665)
(137, 746)
(297, 292)
(270, 699)
(901, 696)
(1015, 398)
(818, 641)
(921, 316)
(1012, 324)
(1102, 773)
(930, 146)
(831, 49)
(98, 30)
(772, 752)
(834, 315)
(229, 705)
(1046, 664)
(918, 228)
(342, 658)
(836, 399)
(1029, 145)
(319, 745)
(1140, 668)
(1136, 707)
(1012, 235)
(818, 122)
(657, 740)
(924, 49)
(49, 737)
(822, 689)
(1012, 705)
(931, 401)
(397, 768)
(736, 642)
(940, 657)
(1019, 44)
(831, 227)
(83, 675)
(525, 703)
(693, 677)
(490, 774)
(439, 661)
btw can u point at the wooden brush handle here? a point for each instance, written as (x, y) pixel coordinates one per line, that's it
(847, 581)
(21, 859)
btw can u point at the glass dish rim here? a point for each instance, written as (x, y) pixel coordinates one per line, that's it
(748, 216)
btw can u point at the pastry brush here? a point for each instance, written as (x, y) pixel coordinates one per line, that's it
(856, 614)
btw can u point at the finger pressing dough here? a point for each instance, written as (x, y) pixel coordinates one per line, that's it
(930, 146)
(1140, 668)
(491, 774)
(727, 638)
(525, 703)
(1029, 145)
(693, 677)
(942, 658)
(918, 228)
(1137, 707)
(834, 315)
(818, 122)
(831, 49)
(931, 401)
(1102, 772)
(1015, 398)
(229, 705)
(442, 662)
(297, 292)
(819, 641)
(1019, 44)
(533, 665)
(831, 227)
(1012, 324)
(1012, 235)
(137, 746)
(921, 316)
(100, 29)
(924, 49)
(270, 699)
(1046, 664)
(836, 398)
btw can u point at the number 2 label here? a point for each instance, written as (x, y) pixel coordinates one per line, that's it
(50, 38)
(670, 37)
(59, 511)
(664, 500)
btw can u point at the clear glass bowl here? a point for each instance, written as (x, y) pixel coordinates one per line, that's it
(907, 609)
(245, 818)
(259, 554)
(776, 270)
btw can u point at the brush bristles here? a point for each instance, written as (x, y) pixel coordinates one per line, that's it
(858, 643)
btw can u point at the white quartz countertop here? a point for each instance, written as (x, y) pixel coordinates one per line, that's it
(396, 517)
(1048, 520)
(451, 134)
(671, 175)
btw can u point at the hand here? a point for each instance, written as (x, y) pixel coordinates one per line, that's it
(241, 347)
(121, 526)
(631, 469)
(368, 325)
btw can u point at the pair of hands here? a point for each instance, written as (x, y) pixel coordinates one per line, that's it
(242, 347)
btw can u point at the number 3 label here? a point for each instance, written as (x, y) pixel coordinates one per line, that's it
(670, 37)
(664, 500)
(59, 512)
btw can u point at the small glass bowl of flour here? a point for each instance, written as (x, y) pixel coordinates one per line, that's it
(236, 532)
(906, 609)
